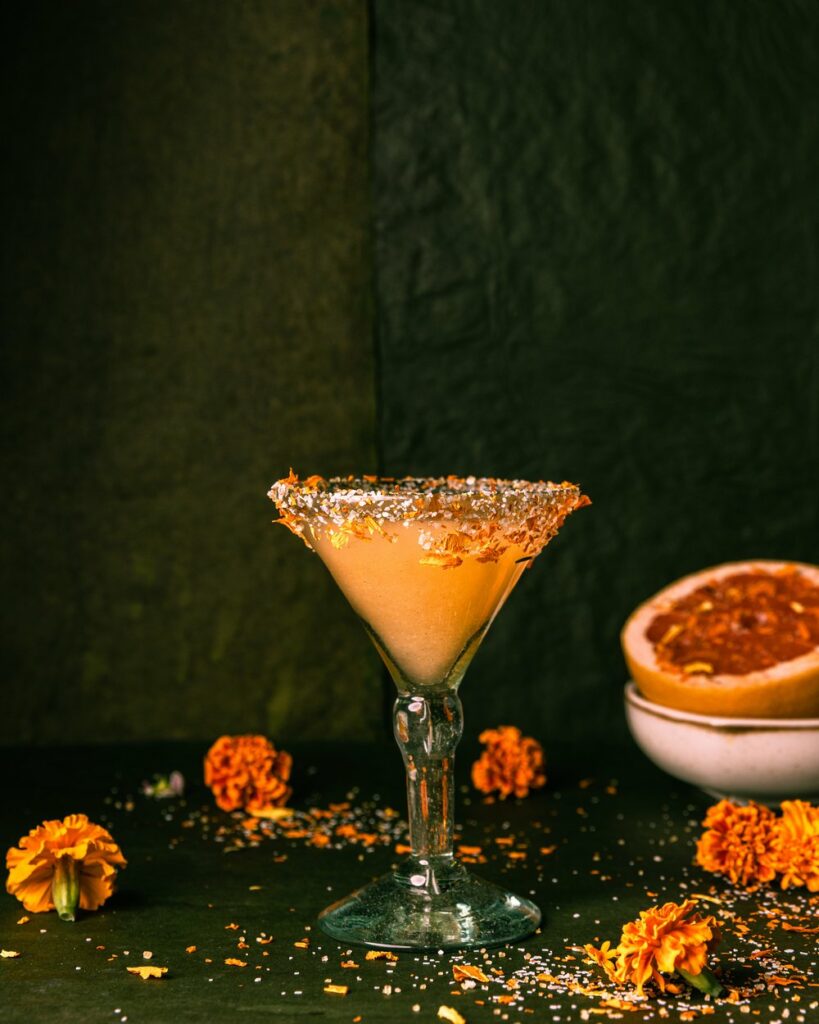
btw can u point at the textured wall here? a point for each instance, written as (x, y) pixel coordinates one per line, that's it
(596, 241)
(188, 312)
(597, 259)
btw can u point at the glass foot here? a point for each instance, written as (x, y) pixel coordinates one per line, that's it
(430, 904)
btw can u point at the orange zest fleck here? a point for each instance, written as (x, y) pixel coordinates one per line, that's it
(231, 961)
(148, 971)
(336, 990)
(63, 865)
(510, 763)
(460, 972)
(248, 772)
(450, 1014)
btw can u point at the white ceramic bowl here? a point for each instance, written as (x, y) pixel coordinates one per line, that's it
(763, 759)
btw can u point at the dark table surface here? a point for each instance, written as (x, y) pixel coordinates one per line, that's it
(608, 836)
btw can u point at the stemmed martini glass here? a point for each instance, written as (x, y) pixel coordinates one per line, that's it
(427, 564)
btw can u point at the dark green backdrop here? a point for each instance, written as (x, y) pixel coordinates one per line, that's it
(598, 259)
(594, 230)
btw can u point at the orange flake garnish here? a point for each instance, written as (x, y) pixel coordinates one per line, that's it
(248, 772)
(302, 944)
(349, 964)
(8, 954)
(661, 941)
(270, 813)
(380, 954)
(336, 990)
(148, 971)
(63, 864)
(402, 849)
(461, 971)
(443, 559)
(24, 919)
(797, 845)
(739, 843)
(621, 1004)
(190, 949)
(232, 927)
(470, 851)
(450, 1014)
(231, 961)
(510, 764)
(798, 928)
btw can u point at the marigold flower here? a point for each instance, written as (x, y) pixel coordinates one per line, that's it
(248, 772)
(662, 941)
(511, 763)
(63, 865)
(739, 843)
(797, 845)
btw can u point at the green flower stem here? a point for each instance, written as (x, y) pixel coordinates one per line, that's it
(65, 888)
(704, 981)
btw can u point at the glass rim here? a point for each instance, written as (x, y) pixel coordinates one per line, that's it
(425, 498)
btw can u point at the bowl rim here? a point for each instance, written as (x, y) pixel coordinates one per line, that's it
(635, 698)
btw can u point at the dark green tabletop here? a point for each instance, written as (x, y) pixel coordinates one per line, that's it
(607, 837)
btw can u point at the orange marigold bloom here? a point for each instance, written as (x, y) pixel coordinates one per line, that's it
(63, 864)
(248, 772)
(739, 843)
(797, 845)
(663, 940)
(511, 763)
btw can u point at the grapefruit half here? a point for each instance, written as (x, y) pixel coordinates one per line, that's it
(739, 640)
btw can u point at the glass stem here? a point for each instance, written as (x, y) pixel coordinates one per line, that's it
(427, 729)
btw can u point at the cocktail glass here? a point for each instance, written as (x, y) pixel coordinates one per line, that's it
(427, 564)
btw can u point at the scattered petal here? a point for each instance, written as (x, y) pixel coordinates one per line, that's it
(336, 990)
(450, 1014)
(147, 971)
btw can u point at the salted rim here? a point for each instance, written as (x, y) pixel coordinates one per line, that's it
(340, 499)
(634, 696)
(476, 517)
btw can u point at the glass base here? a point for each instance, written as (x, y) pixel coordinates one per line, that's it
(430, 904)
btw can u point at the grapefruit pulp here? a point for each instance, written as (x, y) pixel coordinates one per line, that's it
(739, 640)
